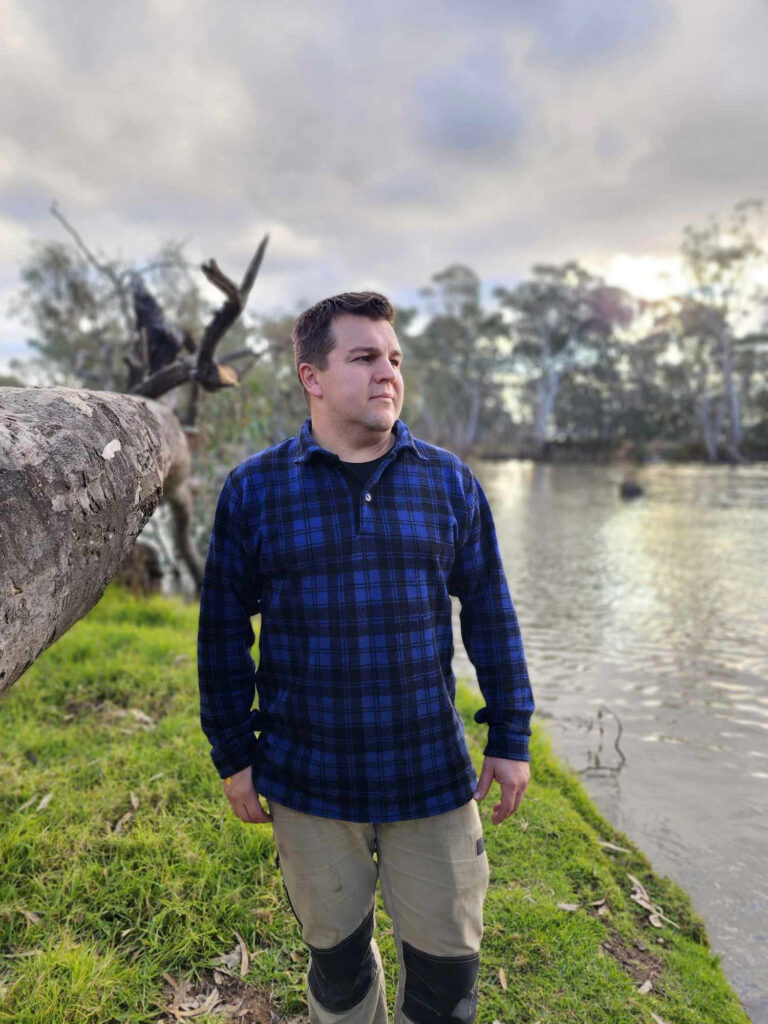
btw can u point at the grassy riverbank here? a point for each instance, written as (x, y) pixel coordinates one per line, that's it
(124, 873)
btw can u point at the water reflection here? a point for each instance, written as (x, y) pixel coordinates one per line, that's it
(656, 609)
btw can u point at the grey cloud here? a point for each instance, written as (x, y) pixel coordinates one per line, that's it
(609, 144)
(580, 32)
(467, 107)
(716, 143)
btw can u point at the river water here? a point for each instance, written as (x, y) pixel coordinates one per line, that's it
(656, 609)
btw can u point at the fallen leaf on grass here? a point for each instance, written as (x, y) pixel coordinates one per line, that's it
(229, 960)
(568, 906)
(295, 956)
(245, 962)
(597, 903)
(134, 801)
(185, 1005)
(44, 802)
(523, 825)
(603, 911)
(119, 825)
(641, 896)
(645, 987)
(159, 775)
(658, 1019)
(31, 916)
(503, 978)
(611, 846)
(27, 803)
(141, 717)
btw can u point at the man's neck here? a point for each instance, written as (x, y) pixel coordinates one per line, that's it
(347, 449)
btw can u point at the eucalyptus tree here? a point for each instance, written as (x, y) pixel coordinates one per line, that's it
(564, 321)
(714, 325)
(456, 362)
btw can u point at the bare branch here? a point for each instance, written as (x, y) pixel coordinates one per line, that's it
(226, 315)
(212, 376)
(102, 268)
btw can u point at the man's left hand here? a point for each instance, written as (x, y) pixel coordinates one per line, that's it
(512, 776)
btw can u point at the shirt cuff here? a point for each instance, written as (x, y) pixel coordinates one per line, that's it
(511, 745)
(508, 733)
(234, 757)
(231, 757)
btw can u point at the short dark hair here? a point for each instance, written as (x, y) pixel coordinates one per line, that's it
(312, 336)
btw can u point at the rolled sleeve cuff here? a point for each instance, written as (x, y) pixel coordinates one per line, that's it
(511, 745)
(235, 756)
(508, 739)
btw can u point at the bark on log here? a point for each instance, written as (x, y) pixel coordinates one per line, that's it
(81, 472)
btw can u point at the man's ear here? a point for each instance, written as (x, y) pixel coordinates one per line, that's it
(310, 380)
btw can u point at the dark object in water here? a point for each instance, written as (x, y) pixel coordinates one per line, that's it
(630, 489)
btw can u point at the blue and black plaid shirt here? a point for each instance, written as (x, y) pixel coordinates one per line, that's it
(356, 714)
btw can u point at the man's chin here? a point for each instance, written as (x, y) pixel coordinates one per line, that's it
(382, 419)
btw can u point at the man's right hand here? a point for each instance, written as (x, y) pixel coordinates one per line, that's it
(243, 798)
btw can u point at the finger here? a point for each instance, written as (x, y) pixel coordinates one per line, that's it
(256, 813)
(484, 782)
(505, 807)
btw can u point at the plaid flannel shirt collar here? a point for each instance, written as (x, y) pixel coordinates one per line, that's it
(306, 446)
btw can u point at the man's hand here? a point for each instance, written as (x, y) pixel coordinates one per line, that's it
(244, 799)
(512, 776)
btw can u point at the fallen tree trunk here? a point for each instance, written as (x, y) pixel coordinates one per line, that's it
(81, 472)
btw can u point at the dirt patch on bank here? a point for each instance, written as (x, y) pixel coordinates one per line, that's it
(219, 995)
(637, 960)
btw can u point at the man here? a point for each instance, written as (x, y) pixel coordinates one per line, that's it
(349, 539)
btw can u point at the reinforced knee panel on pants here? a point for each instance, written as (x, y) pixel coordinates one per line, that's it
(339, 977)
(440, 989)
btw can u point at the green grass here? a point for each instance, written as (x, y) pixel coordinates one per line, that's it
(108, 913)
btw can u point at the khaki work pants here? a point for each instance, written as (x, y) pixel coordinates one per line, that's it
(434, 878)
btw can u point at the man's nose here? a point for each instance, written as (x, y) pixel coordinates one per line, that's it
(386, 371)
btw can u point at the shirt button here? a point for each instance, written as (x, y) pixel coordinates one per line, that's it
(368, 496)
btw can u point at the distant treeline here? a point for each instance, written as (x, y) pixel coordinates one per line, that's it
(560, 365)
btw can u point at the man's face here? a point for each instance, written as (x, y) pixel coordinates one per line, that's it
(364, 364)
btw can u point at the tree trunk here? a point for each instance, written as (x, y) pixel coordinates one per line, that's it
(81, 472)
(731, 388)
(710, 423)
(548, 387)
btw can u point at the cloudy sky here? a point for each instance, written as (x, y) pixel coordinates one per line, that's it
(378, 142)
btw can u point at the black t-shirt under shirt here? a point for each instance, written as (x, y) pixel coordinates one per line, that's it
(357, 475)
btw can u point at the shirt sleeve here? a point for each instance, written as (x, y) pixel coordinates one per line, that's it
(230, 595)
(491, 634)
